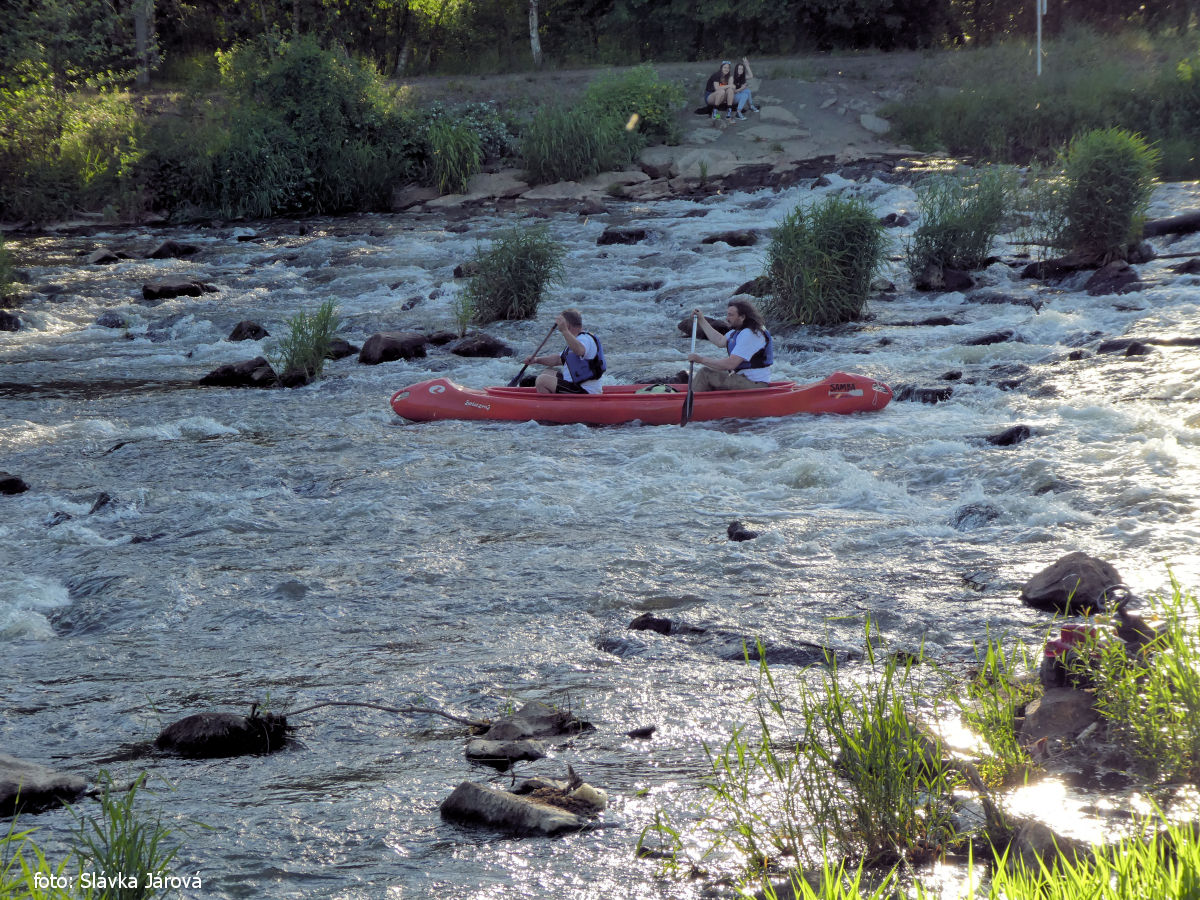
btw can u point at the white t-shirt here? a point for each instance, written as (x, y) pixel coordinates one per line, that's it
(594, 385)
(746, 344)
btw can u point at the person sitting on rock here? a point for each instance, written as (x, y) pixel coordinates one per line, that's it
(583, 360)
(750, 348)
(718, 91)
(741, 87)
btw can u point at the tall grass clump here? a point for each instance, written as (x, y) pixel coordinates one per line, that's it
(568, 143)
(1164, 864)
(120, 840)
(638, 92)
(455, 154)
(1108, 176)
(513, 274)
(990, 703)
(1150, 700)
(821, 261)
(959, 219)
(302, 352)
(840, 768)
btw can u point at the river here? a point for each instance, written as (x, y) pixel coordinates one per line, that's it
(295, 546)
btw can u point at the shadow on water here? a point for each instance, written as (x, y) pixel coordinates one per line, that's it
(92, 390)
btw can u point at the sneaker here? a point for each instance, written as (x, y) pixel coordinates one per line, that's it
(739, 115)
(729, 115)
(716, 114)
(754, 109)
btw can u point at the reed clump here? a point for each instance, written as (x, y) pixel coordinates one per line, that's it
(455, 154)
(301, 354)
(821, 261)
(512, 275)
(960, 218)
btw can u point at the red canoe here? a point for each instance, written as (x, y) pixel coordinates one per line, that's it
(441, 398)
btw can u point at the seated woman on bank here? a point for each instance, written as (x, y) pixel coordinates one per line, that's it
(748, 344)
(741, 87)
(718, 90)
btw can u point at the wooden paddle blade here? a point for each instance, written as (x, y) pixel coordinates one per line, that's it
(687, 401)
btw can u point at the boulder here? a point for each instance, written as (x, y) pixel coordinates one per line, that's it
(1075, 584)
(502, 754)
(622, 235)
(648, 622)
(112, 320)
(1124, 346)
(685, 326)
(103, 257)
(11, 484)
(1061, 712)
(1116, 278)
(387, 346)
(172, 250)
(535, 720)
(931, 395)
(211, 735)
(9, 322)
(179, 287)
(481, 345)
(30, 788)
(518, 814)
(255, 372)
(340, 348)
(246, 330)
(740, 238)
(739, 532)
(1010, 437)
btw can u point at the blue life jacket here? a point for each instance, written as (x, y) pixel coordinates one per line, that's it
(763, 359)
(584, 369)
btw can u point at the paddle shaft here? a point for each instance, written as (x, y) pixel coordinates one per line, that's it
(517, 380)
(687, 401)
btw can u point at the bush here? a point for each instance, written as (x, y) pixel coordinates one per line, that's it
(301, 355)
(1109, 176)
(638, 91)
(454, 156)
(566, 144)
(959, 220)
(821, 261)
(513, 274)
(7, 273)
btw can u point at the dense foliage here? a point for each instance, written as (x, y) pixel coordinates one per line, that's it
(959, 220)
(511, 277)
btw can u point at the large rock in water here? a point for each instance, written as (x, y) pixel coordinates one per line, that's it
(386, 346)
(1076, 584)
(210, 735)
(255, 372)
(535, 720)
(33, 788)
(537, 806)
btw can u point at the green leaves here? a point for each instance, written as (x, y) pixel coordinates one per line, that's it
(512, 276)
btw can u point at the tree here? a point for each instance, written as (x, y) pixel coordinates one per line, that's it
(535, 45)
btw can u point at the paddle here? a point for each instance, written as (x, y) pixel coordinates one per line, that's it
(517, 380)
(687, 401)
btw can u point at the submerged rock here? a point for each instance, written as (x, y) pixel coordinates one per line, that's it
(11, 484)
(388, 346)
(536, 720)
(212, 735)
(502, 754)
(529, 813)
(255, 372)
(30, 788)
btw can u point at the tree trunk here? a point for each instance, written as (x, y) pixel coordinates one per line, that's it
(535, 43)
(295, 18)
(143, 35)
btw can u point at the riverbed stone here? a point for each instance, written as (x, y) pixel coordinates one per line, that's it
(616, 234)
(9, 322)
(11, 484)
(1117, 277)
(104, 257)
(481, 345)
(536, 720)
(30, 787)
(246, 330)
(502, 754)
(1010, 436)
(517, 814)
(1076, 584)
(340, 348)
(1061, 712)
(255, 372)
(175, 287)
(172, 250)
(111, 319)
(212, 735)
(388, 346)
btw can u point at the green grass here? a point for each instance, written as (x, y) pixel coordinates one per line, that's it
(960, 218)
(638, 91)
(455, 154)
(990, 702)
(7, 271)
(512, 275)
(302, 351)
(1150, 701)
(570, 143)
(821, 261)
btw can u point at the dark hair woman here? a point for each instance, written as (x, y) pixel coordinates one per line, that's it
(741, 89)
(718, 90)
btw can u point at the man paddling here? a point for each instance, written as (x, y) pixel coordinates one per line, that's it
(583, 360)
(750, 348)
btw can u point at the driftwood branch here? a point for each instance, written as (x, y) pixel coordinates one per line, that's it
(1181, 224)
(402, 710)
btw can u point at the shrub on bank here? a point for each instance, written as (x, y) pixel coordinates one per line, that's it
(454, 156)
(7, 273)
(570, 143)
(512, 276)
(821, 261)
(959, 220)
(640, 92)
